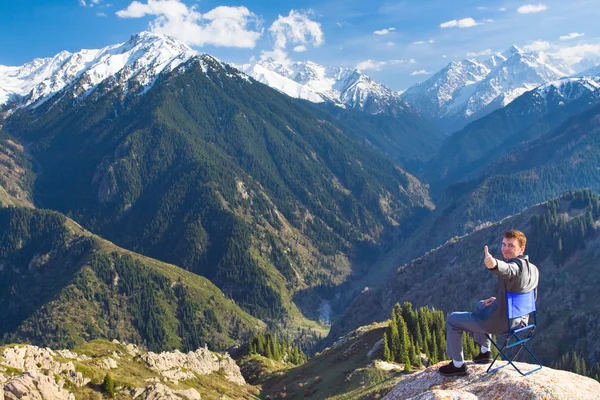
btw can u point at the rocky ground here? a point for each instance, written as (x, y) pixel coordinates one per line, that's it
(30, 372)
(504, 384)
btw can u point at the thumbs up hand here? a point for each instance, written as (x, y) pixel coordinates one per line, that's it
(490, 262)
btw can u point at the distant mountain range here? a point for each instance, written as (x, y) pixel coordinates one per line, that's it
(461, 92)
(344, 87)
(466, 90)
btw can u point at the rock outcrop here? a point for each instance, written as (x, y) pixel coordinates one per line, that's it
(178, 366)
(31, 385)
(33, 373)
(504, 384)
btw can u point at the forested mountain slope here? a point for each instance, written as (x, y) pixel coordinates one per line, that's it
(61, 286)
(230, 179)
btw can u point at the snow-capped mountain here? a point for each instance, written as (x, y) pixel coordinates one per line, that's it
(594, 71)
(348, 88)
(135, 64)
(469, 89)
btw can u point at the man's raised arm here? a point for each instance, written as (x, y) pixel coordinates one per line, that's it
(499, 267)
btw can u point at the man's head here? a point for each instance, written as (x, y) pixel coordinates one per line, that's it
(513, 244)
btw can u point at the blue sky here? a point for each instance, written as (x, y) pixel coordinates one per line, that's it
(398, 43)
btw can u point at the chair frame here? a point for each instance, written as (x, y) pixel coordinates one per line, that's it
(517, 334)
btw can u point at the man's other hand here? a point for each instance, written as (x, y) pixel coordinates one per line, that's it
(490, 262)
(489, 301)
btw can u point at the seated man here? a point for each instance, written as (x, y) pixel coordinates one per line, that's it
(516, 274)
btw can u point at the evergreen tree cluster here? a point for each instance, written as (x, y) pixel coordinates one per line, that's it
(414, 333)
(571, 361)
(269, 346)
(553, 232)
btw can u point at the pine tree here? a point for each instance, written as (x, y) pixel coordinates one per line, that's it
(395, 342)
(387, 355)
(404, 344)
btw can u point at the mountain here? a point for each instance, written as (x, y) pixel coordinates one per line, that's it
(344, 87)
(385, 122)
(466, 90)
(562, 241)
(265, 195)
(61, 286)
(530, 116)
(134, 64)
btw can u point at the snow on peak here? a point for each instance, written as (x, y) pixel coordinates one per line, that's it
(143, 57)
(468, 89)
(308, 80)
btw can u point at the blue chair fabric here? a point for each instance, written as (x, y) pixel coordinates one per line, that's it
(517, 305)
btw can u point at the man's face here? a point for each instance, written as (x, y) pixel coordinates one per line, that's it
(511, 248)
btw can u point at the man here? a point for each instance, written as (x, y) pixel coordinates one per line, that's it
(515, 274)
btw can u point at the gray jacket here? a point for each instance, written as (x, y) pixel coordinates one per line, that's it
(516, 275)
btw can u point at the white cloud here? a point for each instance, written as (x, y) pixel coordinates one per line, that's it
(91, 3)
(502, 9)
(342, 24)
(410, 61)
(390, 44)
(482, 8)
(100, 14)
(420, 72)
(370, 65)
(532, 8)
(574, 54)
(460, 23)
(297, 28)
(485, 52)
(571, 35)
(419, 42)
(378, 65)
(384, 31)
(537, 45)
(222, 26)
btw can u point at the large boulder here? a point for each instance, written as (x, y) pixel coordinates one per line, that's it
(32, 385)
(504, 384)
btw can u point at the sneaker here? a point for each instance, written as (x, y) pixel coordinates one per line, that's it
(451, 370)
(483, 358)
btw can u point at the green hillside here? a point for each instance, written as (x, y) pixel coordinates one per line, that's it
(61, 286)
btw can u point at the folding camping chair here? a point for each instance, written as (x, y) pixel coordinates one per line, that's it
(517, 305)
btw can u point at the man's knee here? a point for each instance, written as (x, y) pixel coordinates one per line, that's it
(453, 318)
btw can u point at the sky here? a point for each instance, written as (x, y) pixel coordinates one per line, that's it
(398, 43)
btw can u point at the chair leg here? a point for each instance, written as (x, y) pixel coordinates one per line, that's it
(490, 369)
(510, 361)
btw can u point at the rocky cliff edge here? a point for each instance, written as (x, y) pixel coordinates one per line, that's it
(504, 384)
